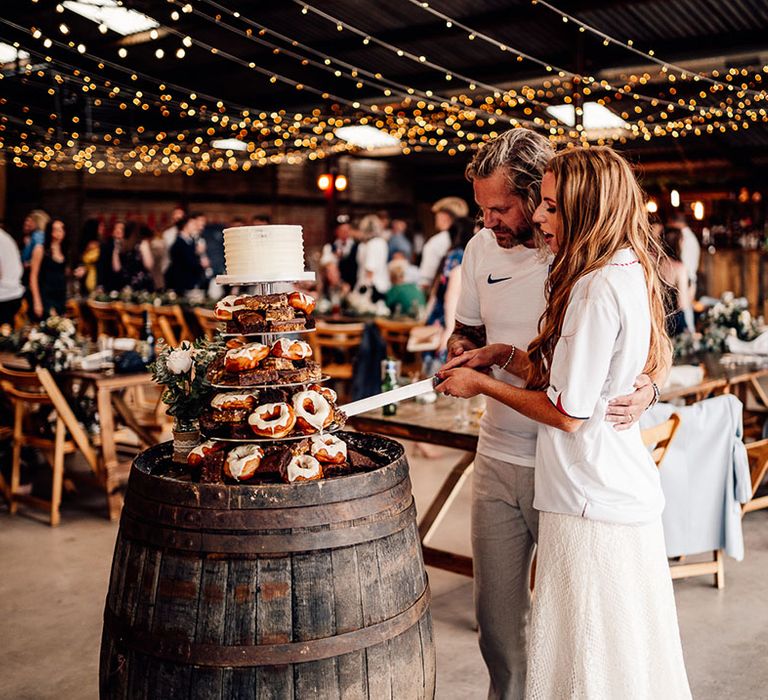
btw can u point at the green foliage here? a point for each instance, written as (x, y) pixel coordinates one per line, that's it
(183, 372)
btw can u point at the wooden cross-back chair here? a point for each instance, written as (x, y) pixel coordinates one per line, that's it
(757, 453)
(132, 319)
(28, 392)
(335, 347)
(207, 321)
(658, 438)
(171, 324)
(107, 315)
(395, 335)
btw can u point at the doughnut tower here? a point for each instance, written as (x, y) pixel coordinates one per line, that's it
(271, 418)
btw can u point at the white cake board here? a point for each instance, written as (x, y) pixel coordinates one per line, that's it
(225, 280)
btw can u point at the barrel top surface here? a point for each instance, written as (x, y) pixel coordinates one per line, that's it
(147, 477)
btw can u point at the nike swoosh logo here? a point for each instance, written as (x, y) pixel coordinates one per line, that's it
(500, 279)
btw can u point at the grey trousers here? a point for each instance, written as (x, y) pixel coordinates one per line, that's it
(504, 531)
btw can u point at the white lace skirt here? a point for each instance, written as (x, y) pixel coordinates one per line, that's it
(604, 623)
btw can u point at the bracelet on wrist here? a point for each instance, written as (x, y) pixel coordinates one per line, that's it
(656, 395)
(509, 359)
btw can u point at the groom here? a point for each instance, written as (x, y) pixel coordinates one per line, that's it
(504, 275)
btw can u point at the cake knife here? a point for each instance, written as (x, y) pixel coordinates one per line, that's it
(400, 394)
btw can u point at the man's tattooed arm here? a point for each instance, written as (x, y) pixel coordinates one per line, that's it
(465, 338)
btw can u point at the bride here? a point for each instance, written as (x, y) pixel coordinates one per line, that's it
(604, 623)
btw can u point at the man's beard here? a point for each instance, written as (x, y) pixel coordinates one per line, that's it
(509, 238)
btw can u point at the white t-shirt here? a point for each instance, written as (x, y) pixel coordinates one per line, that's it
(10, 268)
(598, 472)
(503, 290)
(433, 252)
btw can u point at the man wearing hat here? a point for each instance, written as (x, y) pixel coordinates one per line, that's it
(446, 210)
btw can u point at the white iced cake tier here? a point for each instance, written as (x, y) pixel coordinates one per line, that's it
(264, 252)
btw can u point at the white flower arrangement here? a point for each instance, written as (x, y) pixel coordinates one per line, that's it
(52, 344)
(729, 317)
(182, 371)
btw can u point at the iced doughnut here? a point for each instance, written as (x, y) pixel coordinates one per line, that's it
(199, 453)
(291, 349)
(242, 462)
(304, 468)
(301, 301)
(328, 449)
(245, 358)
(325, 391)
(272, 420)
(227, 306)
(313, 411)
(229, 402)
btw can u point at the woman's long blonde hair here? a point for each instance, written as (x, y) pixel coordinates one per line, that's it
(601, 211)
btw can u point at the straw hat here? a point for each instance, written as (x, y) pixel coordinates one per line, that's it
(455, 206)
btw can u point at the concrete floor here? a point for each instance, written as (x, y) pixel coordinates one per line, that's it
(53, 582)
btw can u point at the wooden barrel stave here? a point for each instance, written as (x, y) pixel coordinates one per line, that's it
(260, 598)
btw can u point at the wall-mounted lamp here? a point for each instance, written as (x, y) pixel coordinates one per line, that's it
(330, 181)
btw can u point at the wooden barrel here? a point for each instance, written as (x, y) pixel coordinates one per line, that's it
(313, 590)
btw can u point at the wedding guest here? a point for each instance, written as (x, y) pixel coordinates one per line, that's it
(186, 271)
(33, 233)
(403, 298)
(678, 303)
(447, 285)
(690, 248)
(158, 252)
(604, 623)
(372, 256)
(90, 243)
(502, 296)
(48, 273)
(261, 219)
(110, 273)
(446, 211)
(136, 258)
(169, 235)
(11, 272)
(343, 251)
(399, 241)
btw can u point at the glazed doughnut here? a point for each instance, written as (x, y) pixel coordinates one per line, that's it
(242, 462)
(246, 357)
(304, 468)
(302, 302)
(325, 391)
(199, 453)
(227, 306)
(272, 420)
(313, 411)
(228, 401)
(329, 449)
(291, 349)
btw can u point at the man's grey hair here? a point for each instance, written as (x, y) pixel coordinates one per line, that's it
(522, 155)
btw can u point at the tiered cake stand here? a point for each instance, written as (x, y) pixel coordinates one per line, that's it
(265, 287)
